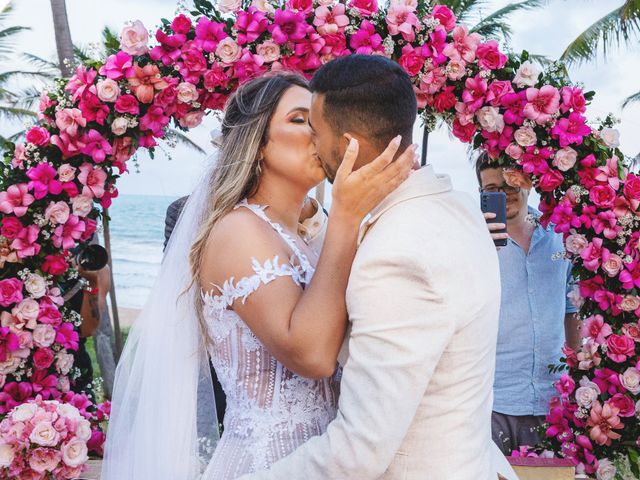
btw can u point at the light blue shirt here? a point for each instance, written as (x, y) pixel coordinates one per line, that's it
(531, 332)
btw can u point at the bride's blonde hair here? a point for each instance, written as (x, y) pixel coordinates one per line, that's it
(245, 130)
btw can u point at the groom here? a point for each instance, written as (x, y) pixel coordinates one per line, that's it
(423, 301)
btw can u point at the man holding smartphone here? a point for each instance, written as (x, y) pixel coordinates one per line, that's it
(536, 317)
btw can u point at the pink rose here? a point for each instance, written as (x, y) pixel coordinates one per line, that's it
(228, 6)
(127, 104)
(445, 16)
(82, 205)
(630, 380)
(134, 38)
(191, 119)
(228, 50)
(64, 362)
(10, 291)
(64, 384)
(108, 90)
(44, 335)
(610, 137)
(74, 453)
(44, 434)
(632, 330)
(525, 137)
(187, 92)
(266, 7)
(44, 460)
(181, 24)
(57, 212)
(623, 403)
(630, 303)
(565, 159)
(456, 69)
(366, 8)
(38, 136)
(11, 227)
(575, 243)
(66, 172)
(55, 265)
(269, 51)
(43, 358)
(603, 196)
(620, 347)
(490, 119)
(550, 180)
(27, 311)
(489, 55)
(514, 151)
(612, 264)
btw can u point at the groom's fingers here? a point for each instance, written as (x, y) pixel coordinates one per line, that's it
(349, 159)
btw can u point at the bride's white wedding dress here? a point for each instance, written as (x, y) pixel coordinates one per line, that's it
(270, 410)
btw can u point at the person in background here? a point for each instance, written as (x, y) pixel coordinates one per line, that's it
(536, 316)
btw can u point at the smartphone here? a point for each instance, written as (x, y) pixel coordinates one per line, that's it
(495, 202)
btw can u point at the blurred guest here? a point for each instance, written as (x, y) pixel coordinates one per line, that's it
(536, 316)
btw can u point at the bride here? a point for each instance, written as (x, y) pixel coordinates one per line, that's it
(241, 288)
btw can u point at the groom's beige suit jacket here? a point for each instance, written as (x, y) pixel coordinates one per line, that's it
(416, 390)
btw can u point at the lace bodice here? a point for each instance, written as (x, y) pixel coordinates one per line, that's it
(270, 409)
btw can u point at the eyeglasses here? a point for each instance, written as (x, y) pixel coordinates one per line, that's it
(501, 188)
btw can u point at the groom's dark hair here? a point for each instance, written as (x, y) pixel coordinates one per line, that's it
(369, 94)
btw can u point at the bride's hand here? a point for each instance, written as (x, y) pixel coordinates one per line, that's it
(355, 194)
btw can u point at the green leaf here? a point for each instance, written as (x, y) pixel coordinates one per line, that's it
(634, 461)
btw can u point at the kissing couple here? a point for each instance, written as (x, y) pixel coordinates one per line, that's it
(361, 349)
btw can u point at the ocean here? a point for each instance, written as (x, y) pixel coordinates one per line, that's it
(137, 237)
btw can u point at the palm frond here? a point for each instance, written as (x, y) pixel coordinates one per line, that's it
(496, 21)
(463, 9)
(14, 113)
(81, 54)
(42, 64)
(16, 74)
(110, 40)
(631, 99)
(616, 27)
(182, 139)
(27, 98)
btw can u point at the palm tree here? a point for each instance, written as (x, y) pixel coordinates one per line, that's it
(11, 101)
(64, 45)
(495, 24)
(619, 26)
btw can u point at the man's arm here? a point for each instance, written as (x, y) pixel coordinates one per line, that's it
(572, 325)
(400, 328)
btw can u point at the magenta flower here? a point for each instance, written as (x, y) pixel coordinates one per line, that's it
(93, 180)
(571, 130)
(93, 109)
(154, 120)
(606, 223)
(10, 291)
(401, 19)
(65, 236)
(45, 384)
(68, 120)
(81, 82)
(630, 277)
(490, 57)
(464, 45)
(43, 180)
(209, 34)
(543, 103)
(14, 394)
(288, 26)
(609, 173)
(38, 136)
(565, 385)
(67, 337)
(366, 41)
(366, 8)
(596, 328)
(572, 99)
(127, 104)
(250, 25)
(249, 66)
(25, 243)
(592, 255)
(514, 104)
(117, 65)
(168, 52)
(69, 146)
(474, 93)
(308, 50)
(619, 347)
(9, 342)
(445, 16)
(96, 146)
(16, 199)
(49, 313)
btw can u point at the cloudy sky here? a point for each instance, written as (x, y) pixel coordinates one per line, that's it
(546, 31)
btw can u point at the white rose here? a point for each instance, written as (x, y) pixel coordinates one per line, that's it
(83, 430)
(75, 453)
(63, 384)
(613, 265)
(630, 380)
(27, 311)
(24, 412)
(6, 455)
(187, 92)
(57, 212)
(525, 137)
(10, 365)
(606, 470)
(119, 126)
(490, 119)
(610, 137)
(227, 6)
(35, 285)
(44, 434)
(565, 159)
(82, 205)
(69, 411)
(66, 172)
(228, 50)
(44, 335)
(108, 90)
(527, 75)
(64, 362)
(266, 7)
(585, 396)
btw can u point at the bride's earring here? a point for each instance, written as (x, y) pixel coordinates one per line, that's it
(259, 168)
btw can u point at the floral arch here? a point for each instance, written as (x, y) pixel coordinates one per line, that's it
(532, 122)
